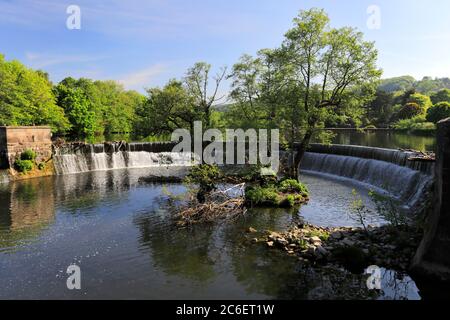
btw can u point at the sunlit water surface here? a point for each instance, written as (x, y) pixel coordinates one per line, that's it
(116, 229)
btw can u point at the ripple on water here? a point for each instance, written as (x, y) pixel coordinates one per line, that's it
(118, 232)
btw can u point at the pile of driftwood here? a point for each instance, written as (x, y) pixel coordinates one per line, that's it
(218, 205)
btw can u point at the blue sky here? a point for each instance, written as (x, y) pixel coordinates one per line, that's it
(145, 43)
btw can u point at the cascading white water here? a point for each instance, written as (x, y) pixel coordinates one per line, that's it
(403, 183)
(95, 158)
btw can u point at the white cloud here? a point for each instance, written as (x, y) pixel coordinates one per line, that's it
(142, 78)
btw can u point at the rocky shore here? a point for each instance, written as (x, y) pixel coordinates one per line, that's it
(345, 247)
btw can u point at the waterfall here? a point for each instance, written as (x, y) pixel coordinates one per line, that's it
(76, 158)
(402, 182)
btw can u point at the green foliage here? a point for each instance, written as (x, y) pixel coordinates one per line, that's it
(441, 96)
(28, 155)
(263, 196)
(206, 177)
(423, 101)
(389, 209)
(286, 87)
(26, 98)
(359, 210)
(438, 112)
(292, 186)
(41, 166)
(285, 194)
(165, 110)
(391, 85)
(23, 166)
(409, 110)
(416, 124)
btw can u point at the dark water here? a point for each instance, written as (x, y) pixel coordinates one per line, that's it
(385, 139)
(117, 231)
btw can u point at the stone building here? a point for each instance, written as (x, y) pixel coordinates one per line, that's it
(15, 140)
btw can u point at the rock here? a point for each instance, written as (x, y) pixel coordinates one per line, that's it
(290, 252)
(282, 241)
(321, 252)
(252, 230)
(336, 235)
(315, 240)
(270, 243)
(255, 240)
(347, 242)
(311, 250)
(274, 235)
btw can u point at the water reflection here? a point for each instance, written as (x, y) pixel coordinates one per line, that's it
(385, 139)
(26, 209)
(116, 228)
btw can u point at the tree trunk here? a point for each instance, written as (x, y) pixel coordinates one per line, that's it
(301, 152)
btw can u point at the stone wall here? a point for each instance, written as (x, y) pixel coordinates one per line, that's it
(432, 259)
(15, 140)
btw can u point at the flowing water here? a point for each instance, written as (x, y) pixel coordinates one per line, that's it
(114, 226)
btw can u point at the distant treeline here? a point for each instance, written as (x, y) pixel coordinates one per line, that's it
(318, 77)
(407, 104)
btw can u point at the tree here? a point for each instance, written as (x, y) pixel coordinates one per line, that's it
(423, 101)
(165, 110)
(409, 111)
(327, 65)
(380, 110)
(197, 82)
(258, 91)
(26, 98)
(439, 112)
(441, 96)
(79, 111)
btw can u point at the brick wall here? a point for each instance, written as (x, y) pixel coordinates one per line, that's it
(15, 140)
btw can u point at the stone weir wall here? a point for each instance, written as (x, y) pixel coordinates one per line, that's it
(397, 157)
(15, 140)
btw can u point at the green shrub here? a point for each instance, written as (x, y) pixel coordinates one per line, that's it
(23, 165)
(416, 124)
(286, 194)
(28, 155)
(370, 126)
(292, 185)
(206, 177)
(41, 166)
(409, 110)
(438, 112)
(262, 196)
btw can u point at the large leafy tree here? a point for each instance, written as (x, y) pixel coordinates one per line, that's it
(26, 98)
(165, 110)
(329, 67)
(78, 109)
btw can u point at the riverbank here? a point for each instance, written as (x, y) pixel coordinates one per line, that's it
(350, 247)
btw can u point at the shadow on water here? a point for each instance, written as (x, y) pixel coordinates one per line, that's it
(117, 230)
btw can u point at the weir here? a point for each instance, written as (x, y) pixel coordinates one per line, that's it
(77, 158)
(384, 170)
